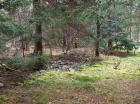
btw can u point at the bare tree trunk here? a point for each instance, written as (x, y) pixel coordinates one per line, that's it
(75, 44)
(130, 32)
(27, 46)
(130, 22)
(23, 49)
(110, 42)
(109, 46)
(38, 30)
(51, 51)
(98, 25)
(64, 44)
(38, 43)
(97, 54)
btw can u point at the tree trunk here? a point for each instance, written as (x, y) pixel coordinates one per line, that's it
(51, 51)
(109, 47)
(98, 25)
(27, 46)
(130, 22)
(75, 44)
(23, 49)
(38, 43)
(110, 34)
(97, 53)
(64, 44)
(38, 30)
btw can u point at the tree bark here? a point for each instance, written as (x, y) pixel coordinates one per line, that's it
(23, 49)
(98, 25)
(38, 43)
(27, 46)
(38, 30)
(97, 53)
(109, 46)
(130, 22)
(75, 44)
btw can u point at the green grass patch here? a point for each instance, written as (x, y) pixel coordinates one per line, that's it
(61, 85)
(4, 100)
(83, 78)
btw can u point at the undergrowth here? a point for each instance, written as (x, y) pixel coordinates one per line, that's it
(100, 79)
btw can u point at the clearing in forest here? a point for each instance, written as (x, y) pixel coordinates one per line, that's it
(113, 81)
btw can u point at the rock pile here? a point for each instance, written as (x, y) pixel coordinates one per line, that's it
(66, 65)
(62, 66)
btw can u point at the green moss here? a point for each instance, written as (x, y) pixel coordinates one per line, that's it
(4, 100)
(83, 78)
(57, 82)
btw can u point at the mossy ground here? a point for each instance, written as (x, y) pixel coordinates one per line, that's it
(96, 84)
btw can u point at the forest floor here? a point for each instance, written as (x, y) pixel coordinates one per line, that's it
(112, 81)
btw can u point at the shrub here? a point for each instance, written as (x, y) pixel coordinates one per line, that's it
(30, 63)
(36, 62)
(123, 43)
(16, 62)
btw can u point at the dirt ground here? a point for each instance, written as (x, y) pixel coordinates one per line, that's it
(124, 92)
(11, 79)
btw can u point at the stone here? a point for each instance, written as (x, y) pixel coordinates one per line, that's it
(61, 63)
(66, 65)
(104, 69)
(1, 85)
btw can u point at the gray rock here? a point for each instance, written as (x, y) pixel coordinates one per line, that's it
(66, 65)
(1, 85)
(43, 71)
(104, 69)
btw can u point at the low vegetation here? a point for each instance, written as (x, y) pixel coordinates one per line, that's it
(32, 63)
(99, 81)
